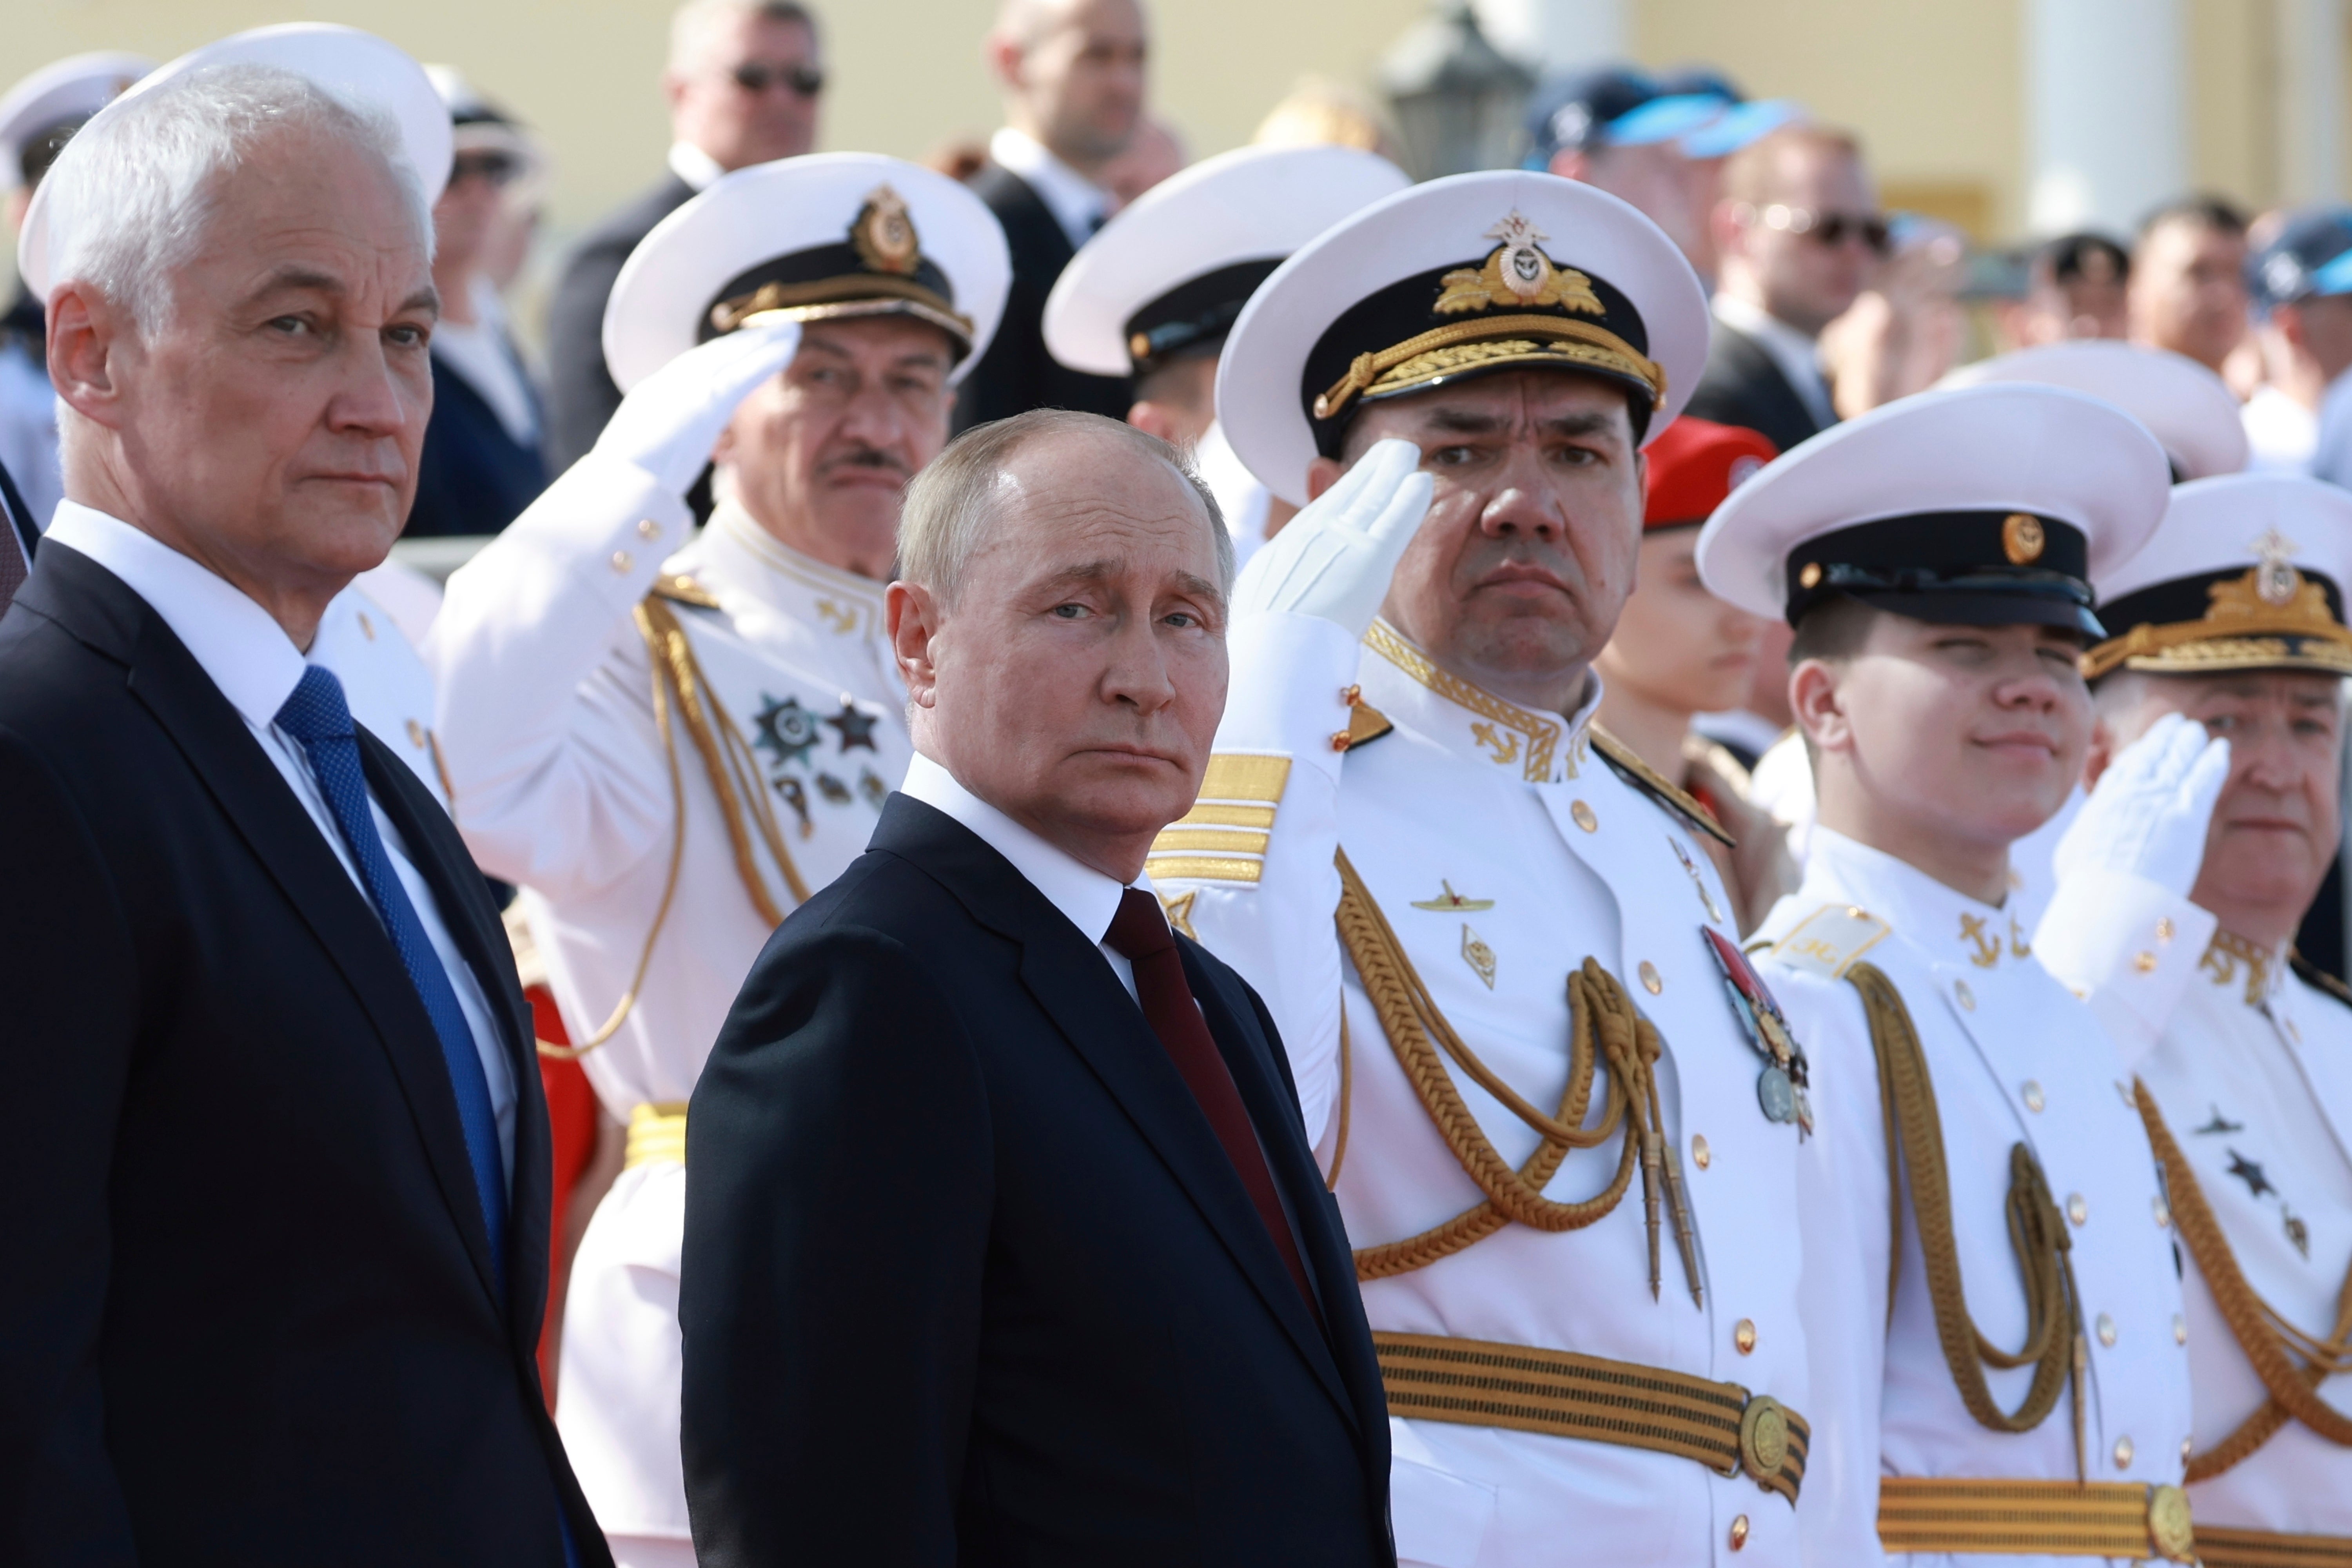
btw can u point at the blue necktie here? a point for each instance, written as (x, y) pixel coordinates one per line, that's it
(315, 715)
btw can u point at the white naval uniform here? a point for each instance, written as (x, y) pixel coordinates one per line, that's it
(385, 683)
(2013, 1058)
(2252, 1068)
(561, 784)
(1514, 807)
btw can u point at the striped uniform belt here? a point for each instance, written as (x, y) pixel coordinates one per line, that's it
(2035, 1519)
(2219, 1546)
(656, 1135)
(1477, 1383)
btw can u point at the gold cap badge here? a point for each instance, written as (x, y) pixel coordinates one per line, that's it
(883, 233)
(2275, 578)
(2022, 538)
(1517, 274)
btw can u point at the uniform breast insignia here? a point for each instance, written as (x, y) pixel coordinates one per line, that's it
(1781, 1086)
(870, 785)
(1652, 783)
(835, 792)
(1449, 901)
(1178, 911)
(1827, 941)
(794, 794)
(856, 729)
(2220, 1123)
(1478, 955)
(1224, 837)
(787, 730)
(2250, 1172)
(2297, 1233)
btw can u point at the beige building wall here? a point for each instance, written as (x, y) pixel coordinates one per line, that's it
(1934, 87)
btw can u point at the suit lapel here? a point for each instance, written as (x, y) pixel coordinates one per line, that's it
(1070, 981)
(166, 680)
(1789, 411)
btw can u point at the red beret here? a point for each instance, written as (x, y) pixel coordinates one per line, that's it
(1693, 465)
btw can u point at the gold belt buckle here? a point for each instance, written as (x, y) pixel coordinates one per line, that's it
(2168, 1527)
(1764, 1441)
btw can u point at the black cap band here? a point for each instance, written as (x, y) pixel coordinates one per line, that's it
(1194, 316)
(1970, 568)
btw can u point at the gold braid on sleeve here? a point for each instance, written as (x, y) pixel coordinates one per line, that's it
(2054, 1345)
(1603, 1025)
(2270, 1343)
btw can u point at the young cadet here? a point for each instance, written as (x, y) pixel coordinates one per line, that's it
(1489, 934)
(2176, 911)
(670, 743)
(1983, 1226)
(1679, 651)
(1152, 295)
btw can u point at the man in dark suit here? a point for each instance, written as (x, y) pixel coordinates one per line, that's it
(743, 83)
(1003, 1239)
(1072, 71)
(277, 1256)
(19, 537)
(1801, 234)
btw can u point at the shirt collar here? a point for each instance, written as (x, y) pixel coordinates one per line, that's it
(1410, 689)
(1076, 203)
(1949, 925)
(1088, 899)
(238, 644)
(692, 164)
(840, 601)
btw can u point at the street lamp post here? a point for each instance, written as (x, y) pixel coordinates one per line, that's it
(1457, 100)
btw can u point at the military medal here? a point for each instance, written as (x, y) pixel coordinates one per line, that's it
(1780, 1087)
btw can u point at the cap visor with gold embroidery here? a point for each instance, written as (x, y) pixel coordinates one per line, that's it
(1986, 506)
(2246, 572)
(2187, 408)
(829, 236)
(1455, 279)
(353, 66)
(1169, 275)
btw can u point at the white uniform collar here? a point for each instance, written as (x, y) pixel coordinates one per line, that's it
(1088, 899)
(827, 597)
(240, 644)
(1076, 203)
(1471, 721)
(695, 166)
(1797, 356)
(2249, 971)
(1947, 924)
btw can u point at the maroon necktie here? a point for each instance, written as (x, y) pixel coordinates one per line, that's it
(1140, 935)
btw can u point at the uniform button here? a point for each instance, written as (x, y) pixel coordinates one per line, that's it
(417, 735)
(367, 627)
(2162, 1210)
(649, 529)
(2180, 1330)
(2078, 1210)
(1650, 982)
(2123, 1453)
(1739, 1533)
(2033, 1100)
(2188, 1447)
(2106, 1331)
(1701, 1155)
(2144, 961)
(1583, 816)
(623, 563)
(2164, 929)
(1743, 1334)
(1968, 998)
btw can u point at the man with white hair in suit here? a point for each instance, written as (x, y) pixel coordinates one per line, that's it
(278, 1255)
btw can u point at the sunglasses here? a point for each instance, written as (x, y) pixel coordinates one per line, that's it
(498, 168)
(807, 81)
(1828, 229)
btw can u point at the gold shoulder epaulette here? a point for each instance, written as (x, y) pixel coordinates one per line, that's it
(2319, 979)
(1828, 941)
(1652, 783)
(684, 590)
(1366, 724)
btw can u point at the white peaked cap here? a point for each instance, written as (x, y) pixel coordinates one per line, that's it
(2187, 408)
(1252, 205)
(828, 229)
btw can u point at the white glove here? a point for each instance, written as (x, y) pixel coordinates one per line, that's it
(669, 422)
(1335, 559)
(2149, 816)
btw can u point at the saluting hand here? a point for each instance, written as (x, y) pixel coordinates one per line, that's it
(1335, 559)
(2149, 815)
(669, 422)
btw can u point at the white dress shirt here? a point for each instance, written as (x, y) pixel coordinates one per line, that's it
(692, 164)
(1077, 204)
(484, 355)
(1797, 356)
(2282, 434)
(257, 667)
(1088, 899)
